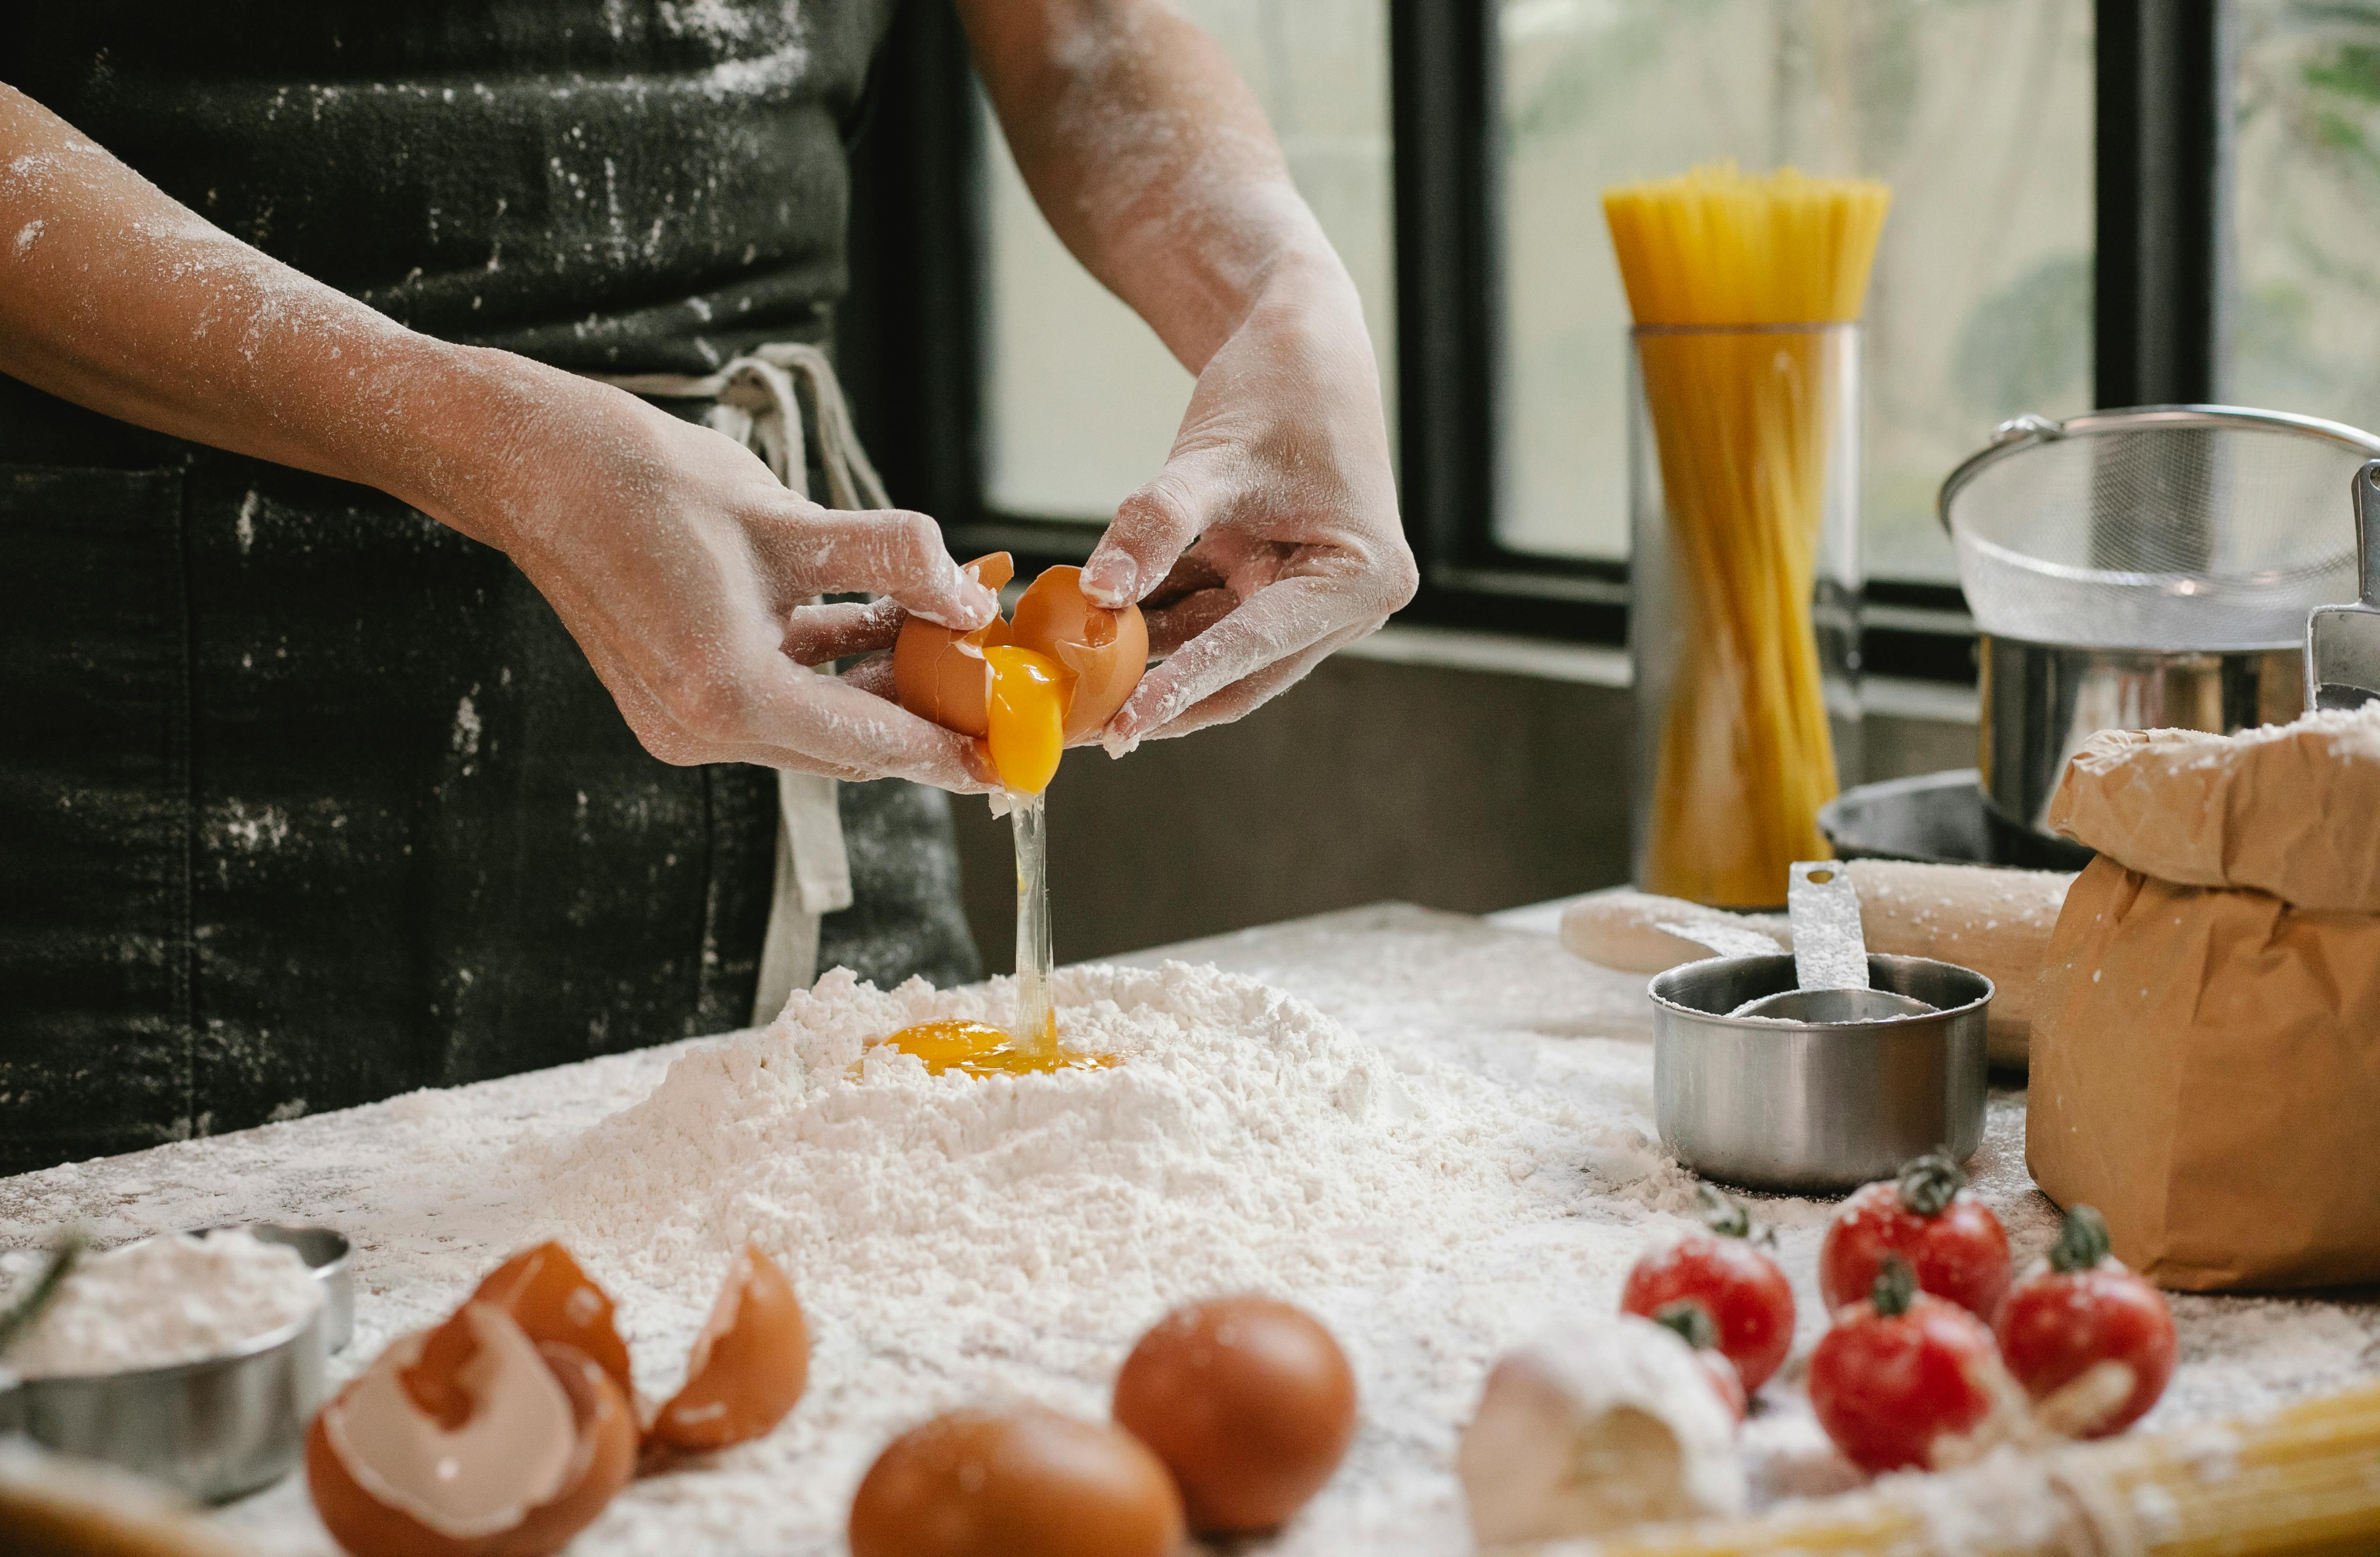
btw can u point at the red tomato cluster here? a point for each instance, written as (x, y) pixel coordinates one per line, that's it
(2079, 1310)
(1950, 1240)
(1744, 1299)
(1929, 1337)
(1902, 1371)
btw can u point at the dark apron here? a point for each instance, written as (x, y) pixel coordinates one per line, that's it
(306, 799)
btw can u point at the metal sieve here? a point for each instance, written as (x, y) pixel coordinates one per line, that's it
(2191, 528)
(2143, 568)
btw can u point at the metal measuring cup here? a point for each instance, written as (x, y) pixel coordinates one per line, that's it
(1838, 1087)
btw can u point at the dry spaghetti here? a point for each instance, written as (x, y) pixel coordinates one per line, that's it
(2303, 1482)
(1743, 417)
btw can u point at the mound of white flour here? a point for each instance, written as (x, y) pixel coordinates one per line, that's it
(955, 1237)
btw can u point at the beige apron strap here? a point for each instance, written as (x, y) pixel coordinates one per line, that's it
(755, 403)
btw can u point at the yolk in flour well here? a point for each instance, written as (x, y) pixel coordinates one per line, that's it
(980, 1048)
(1026, 713)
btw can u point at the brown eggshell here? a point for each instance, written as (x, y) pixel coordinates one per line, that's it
(607, 1425)
(748, 1366)
(937, 679)
(602, 1457)
(549, 1296)
(996, 1483)
(1107, 650)
(1249, 1402)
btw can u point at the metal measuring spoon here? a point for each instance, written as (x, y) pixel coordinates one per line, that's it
(1829, 956)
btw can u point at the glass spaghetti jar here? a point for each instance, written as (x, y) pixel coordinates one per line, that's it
(1743, 466)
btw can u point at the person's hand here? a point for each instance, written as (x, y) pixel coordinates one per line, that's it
(680, 564)
(1270, 537)
(675, 558)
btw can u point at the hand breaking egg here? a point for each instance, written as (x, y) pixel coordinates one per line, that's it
(1054, 675)
(471, 1440)
(748, 1366)
(934, 676)
(997, 1483)
(1105, 651)
(1249, 1402)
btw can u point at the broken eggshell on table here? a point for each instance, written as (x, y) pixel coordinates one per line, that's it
(940, 673)
(505, 1430)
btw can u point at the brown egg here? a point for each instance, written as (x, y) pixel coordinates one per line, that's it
(941, 674)
(934, 675)
(1008, 1483)
(748, 1365)
(548, 1295)
(1248, 1401)
(1107, 650)
(527, 1444)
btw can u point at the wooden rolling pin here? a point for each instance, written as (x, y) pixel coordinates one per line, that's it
(51, 1506)
(1995, 921)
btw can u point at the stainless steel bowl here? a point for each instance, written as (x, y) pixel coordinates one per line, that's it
(1938, 818)
(2041, 701)
(326, 1254)
(216, 1429)
(1815, 1106)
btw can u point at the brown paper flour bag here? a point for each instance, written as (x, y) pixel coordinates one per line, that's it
(2292, 809)
(2206, 1073)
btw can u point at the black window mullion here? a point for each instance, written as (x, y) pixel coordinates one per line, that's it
(1443, 67)
(908, 332)
(2164, 143)
(1446, 107)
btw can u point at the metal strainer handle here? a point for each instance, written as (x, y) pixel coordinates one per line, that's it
(2367, 532)
(2025, 431)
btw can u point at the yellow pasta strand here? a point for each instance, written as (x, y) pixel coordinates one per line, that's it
(2304, 1483)
(1743, 425)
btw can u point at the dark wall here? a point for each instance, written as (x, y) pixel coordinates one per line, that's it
(1455, 789)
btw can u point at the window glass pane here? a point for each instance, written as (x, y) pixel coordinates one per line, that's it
(1976, 111)
(1080, 400)
(2304, 308)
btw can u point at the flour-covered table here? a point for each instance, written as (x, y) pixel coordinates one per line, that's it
(1458, 1148)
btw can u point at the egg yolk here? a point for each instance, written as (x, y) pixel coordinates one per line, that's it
(980, 1048)
(1028, 716)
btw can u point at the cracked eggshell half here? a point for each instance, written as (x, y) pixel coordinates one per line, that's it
(549, 1296)
(939, 673)
(471, 1440)
(748, 1365)
(1107, 650)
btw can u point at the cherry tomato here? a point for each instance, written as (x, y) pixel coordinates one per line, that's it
(1900, 1371)
(2080, 1307)
(1951, 1240)
(1741, 1289)
(1694, 1324)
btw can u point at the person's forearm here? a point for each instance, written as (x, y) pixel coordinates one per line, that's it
(1150, 158)
(116, 297)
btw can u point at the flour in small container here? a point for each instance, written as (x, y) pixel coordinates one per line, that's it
(177, 1297)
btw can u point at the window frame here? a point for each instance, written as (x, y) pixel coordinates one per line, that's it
(911, 342)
